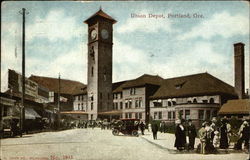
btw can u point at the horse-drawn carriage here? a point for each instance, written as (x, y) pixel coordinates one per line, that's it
(126, 127)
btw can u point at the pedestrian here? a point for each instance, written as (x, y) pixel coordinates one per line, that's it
(216, 139)
(202, 136)
(164, 127)
(149, 127)
(161, 126)
(209, 141)
(223, 135)
(180, 136)
(191, 130)
(142, 127)
(154, 130)
(229, 131)
(244, 133)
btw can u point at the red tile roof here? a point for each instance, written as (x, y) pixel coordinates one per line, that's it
(102, 14)
(193, 85)
(140, 81)
(67, 86)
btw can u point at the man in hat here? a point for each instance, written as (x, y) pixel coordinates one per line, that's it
(191, 130)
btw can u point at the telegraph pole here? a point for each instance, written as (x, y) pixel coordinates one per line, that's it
(22, 109)
(58, 103)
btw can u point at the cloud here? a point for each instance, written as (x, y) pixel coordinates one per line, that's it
(222, 24)
(56, 25)
(148, 25)
(130, 62)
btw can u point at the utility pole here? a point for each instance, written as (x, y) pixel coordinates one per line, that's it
(58, 103)
(22, 108)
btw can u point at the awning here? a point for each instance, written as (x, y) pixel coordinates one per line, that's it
(74, 112)
(30, 113)
(114, 112)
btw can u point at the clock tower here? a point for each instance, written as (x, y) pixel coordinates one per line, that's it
(100, 42)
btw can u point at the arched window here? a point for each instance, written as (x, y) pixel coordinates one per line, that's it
(194, 100)
(169, 103)
(174, 103)
(211, 100)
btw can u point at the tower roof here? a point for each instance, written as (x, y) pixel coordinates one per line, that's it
(102, 14)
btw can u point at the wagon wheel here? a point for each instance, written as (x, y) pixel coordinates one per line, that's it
(135, 133)
(115, 132)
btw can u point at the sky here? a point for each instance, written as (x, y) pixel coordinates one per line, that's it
(56, 38)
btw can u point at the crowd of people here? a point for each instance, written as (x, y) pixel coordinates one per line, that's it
(212, 136)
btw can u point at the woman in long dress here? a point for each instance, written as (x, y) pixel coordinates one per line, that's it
(180, 136)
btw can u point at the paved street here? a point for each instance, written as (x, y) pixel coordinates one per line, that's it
(82, 144)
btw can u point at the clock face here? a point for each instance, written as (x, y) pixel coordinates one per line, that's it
(93, 34)
(104, 34)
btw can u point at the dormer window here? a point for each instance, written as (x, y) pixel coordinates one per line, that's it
(180, 85)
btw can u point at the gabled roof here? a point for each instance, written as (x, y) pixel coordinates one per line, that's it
(67, 86)
(193, 85)
(102, 14)
(140, 81)
(237, 106)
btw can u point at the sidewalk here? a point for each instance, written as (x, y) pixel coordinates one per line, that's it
(166, 141)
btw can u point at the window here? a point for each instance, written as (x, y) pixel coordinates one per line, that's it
(201, 114)
(116, 106)
(204, 101)
(132, 91)
(126, 115)
(189, 101)
(211, 100)
(121, 107)
(155, 115)
(130, 104)
(92, 71)
(174, 115)
(130, 115)
(121, 95)
(174, 103)
(126, 104)
(187, 114)
(195, 100)
(169, 103)
(91, 116)
(208, 114)
(136, 103)
(181, 113)
(78, 98)
(92, 105)
(169, 115)
(78, 106)
(160, 115)
(51, 96)
(140, 103)
(158, 103)
(136, 115)
(140, 115)
(82, 107)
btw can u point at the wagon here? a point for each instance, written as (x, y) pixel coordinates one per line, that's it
(126, 127)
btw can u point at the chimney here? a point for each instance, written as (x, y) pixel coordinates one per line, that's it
(239, 71)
